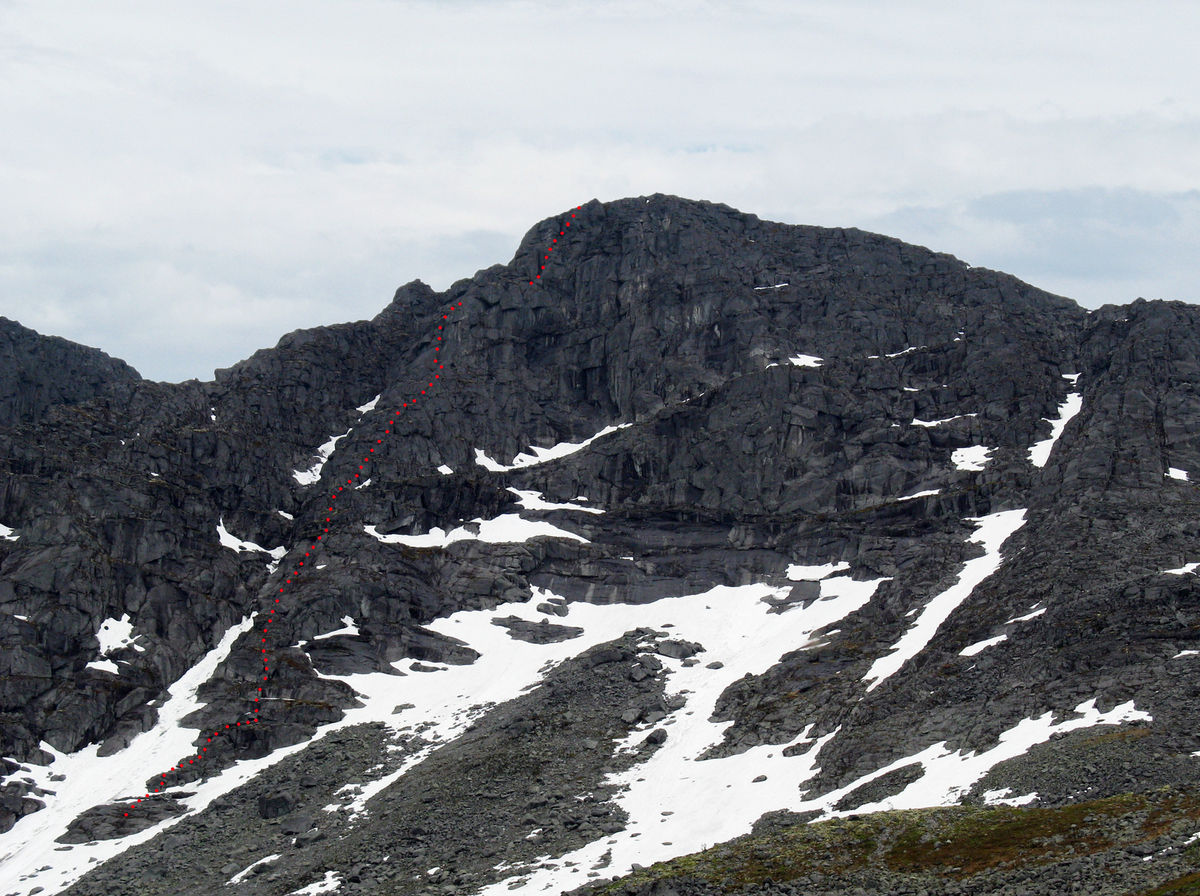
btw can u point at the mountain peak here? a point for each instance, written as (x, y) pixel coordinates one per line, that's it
(681, 527)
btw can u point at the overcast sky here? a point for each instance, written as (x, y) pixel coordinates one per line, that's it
(182, 183)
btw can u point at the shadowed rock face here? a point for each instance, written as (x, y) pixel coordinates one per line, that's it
(39, 372)
(681, 320)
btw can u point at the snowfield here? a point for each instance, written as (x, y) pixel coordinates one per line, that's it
(676, 803)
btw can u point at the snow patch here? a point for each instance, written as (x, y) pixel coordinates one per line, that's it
(929, 423)
(1184, 653)
(974, 458)
(1040, 452)
(950, 775)
(1176, 473)
(104, 665)
(925, 494)
(313, 473)
(1002, 798)
(1181, 571)
(980, 646)
(1032, 614)
(444, 470)
(369, 406)
(348, 628)
(249, 869)
(531, 500)
(285, 515)
(117, 633)
(799, 573)
(331, 882)
(542, 455)
(911, 348)
(236, 544)
(993, 531)
(7, 533)
(806, 360)
(508, 528)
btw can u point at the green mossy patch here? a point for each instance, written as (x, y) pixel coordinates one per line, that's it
(956, 842)
(1188, 885)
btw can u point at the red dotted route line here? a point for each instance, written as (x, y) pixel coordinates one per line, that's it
(550, 248)
(295, 573)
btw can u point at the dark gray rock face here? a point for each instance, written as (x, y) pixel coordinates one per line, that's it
(677, 320)
(40, 372)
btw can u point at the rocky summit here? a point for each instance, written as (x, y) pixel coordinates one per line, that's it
(686, 553)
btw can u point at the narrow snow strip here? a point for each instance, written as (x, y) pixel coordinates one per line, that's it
(1040, 452)
(531, 500)
(1176, 473)
(1183, 570)
(910, 389)
(285, 515)
(7, 533)
(806, 360)
(89, 780)
(928, 423)
(973, 458)
(104, 665)
(1184, 653)
(776, 286)
(993, 531)
(979, 646)
(249, 869)
(948, 776)
(313, 473)
(508, 528)
(911, 348)
(542, 455)
(799, 573)
(1032, 614)
(369, 406)
(925, 494)
(236, 544)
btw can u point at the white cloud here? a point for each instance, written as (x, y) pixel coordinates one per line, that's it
(184, 183)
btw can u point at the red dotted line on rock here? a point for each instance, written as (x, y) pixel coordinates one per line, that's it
(550, 248)
(295, 573)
